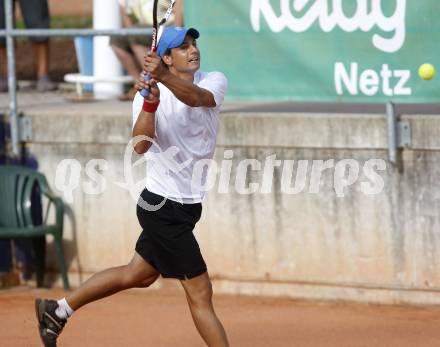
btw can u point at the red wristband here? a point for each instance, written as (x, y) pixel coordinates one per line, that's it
(150, 107)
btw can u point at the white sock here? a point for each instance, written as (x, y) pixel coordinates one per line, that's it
(63, 311)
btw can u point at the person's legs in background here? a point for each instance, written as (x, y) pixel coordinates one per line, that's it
(3, 59)
(140, 51)
(42, 54)
(128, 61)
(121, 47)
(36, 16)
(3, 70)
(140, 46)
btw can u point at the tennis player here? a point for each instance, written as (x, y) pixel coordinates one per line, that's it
(181, 114)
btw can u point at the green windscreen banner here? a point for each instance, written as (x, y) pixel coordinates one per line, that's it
(320, 50)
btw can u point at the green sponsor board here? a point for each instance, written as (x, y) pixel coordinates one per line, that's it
(320, 50)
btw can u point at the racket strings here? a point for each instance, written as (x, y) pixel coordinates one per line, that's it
(164, 10)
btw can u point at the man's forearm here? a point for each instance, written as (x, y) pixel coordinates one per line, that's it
(144, 127)
(187, 92)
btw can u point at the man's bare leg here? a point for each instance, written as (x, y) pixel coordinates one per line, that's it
(199, 295)
(52, 315)
(138, 273)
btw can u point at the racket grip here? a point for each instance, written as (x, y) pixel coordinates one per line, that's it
(146, 92)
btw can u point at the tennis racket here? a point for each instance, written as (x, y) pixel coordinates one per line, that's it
(162, 10)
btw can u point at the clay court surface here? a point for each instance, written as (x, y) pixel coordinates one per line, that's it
(160, 317)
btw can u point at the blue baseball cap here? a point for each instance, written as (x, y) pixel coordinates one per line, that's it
(173, 37)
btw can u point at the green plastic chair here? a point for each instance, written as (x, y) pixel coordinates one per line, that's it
(16, 186)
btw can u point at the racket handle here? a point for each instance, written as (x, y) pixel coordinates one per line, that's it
(146, 92)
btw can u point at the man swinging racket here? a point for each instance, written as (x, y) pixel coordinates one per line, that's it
(181, 111)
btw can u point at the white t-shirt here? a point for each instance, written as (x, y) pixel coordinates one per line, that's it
(185, 141)
(143, 10)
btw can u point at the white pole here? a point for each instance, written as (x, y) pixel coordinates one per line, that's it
(106, 15)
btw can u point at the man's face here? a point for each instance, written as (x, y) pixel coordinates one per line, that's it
(186, 57)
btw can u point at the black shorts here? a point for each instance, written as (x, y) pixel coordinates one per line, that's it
(35, 15)
(167, 241)
(125, 42)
